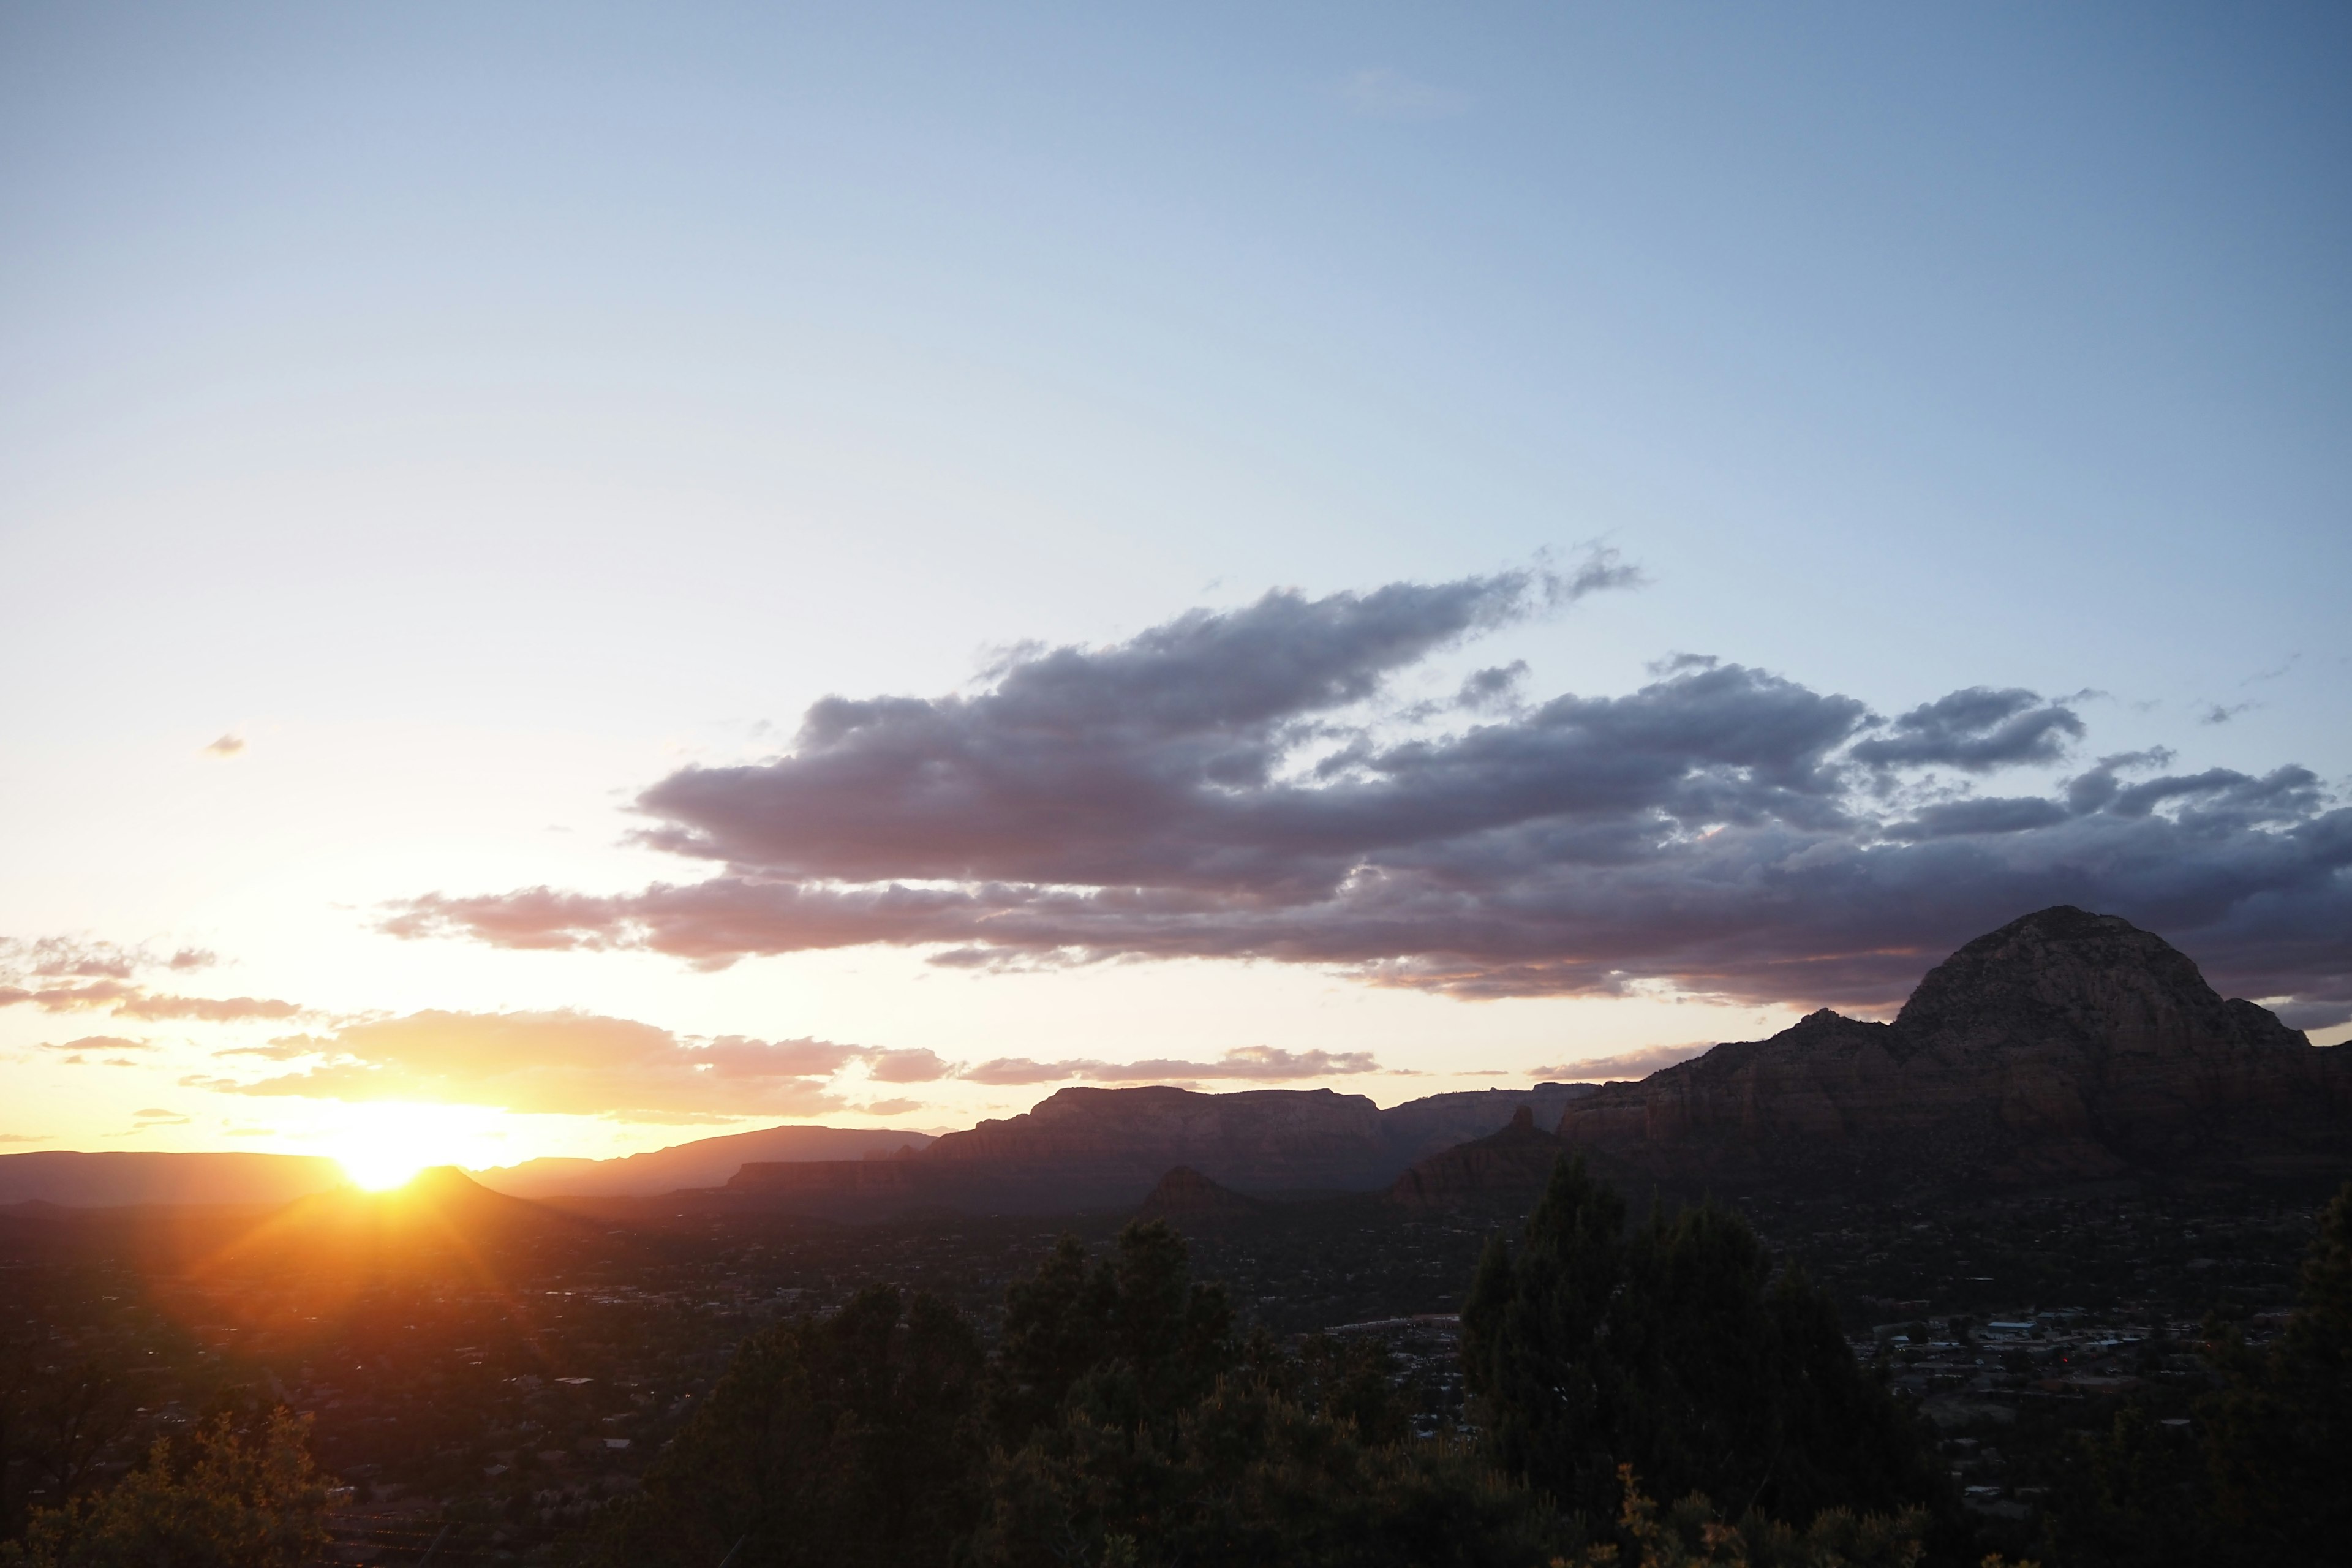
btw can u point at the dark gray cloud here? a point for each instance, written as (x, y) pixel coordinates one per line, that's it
(1210, 789)
(1977, 729)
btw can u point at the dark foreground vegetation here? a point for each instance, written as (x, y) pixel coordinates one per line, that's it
(1121, 1419)
(1664, 1388)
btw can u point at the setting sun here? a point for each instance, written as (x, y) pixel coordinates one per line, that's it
(381, 1168)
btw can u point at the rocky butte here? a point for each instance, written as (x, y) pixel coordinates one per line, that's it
(2065, 1047)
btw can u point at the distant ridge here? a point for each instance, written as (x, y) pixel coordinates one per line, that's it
(1090, 1150)
(704, 1163)
(121, 1178)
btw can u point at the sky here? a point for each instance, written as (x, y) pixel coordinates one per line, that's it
(583, 576)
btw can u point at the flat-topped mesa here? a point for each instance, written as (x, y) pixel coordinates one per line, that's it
(2064, 1046)
(1265, 1139)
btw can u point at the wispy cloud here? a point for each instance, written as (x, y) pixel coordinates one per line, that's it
(76, 974)
(226, 746)
(1254, 1062)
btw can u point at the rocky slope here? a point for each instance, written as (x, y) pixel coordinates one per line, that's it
(2065, 1047)
(1185, 1194)
(1518, 1159)
(1436, 1123)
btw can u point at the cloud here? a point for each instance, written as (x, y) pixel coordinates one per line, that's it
(226, 746)
(1977, 729)
(136, 1002)
(68, 958)
(24, 1138)
(1636, 1064)
(1212, 788)
(2217, 714)
(905, 1067)
(1267, 1062)
(568, 1063)
(97, 1043)
(159, 1118)
(1380, 92)
(69, 974)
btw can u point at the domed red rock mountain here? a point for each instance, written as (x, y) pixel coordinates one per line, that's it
(2064, 1047)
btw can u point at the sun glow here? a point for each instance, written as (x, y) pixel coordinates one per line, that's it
(381, 1168)
(381, 1144)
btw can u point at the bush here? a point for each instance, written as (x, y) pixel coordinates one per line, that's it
(218, 1499)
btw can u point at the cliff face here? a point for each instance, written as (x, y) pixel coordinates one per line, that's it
(2066, 1046)
(1185, 1194)
(1420, 1128)
(1518, 1159)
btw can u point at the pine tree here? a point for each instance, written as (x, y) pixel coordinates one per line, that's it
(1676, 1350)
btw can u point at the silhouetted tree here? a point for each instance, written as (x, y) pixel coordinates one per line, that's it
(843, 1440)
(1676, 1349)
(1132, 1429)
(2278, 1438)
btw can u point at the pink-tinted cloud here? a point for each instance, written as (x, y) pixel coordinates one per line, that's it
(97, 1043)
(1255, 1062)
(1637, 1064)
(70, 974)
(571, 1063)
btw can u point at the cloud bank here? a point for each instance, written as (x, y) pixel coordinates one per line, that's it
(1212, 788)
(583, 1064)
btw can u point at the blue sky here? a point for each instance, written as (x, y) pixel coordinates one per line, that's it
(483, 412)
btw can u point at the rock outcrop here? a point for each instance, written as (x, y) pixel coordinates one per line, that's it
(1185, 1194)
(1517, 1160)
(1436, 1123)
(2064, 1047)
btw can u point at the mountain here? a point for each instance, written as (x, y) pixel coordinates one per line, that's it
(704, 1163)
(75, 1180)
(2065, 1047)
(1517, 1160)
